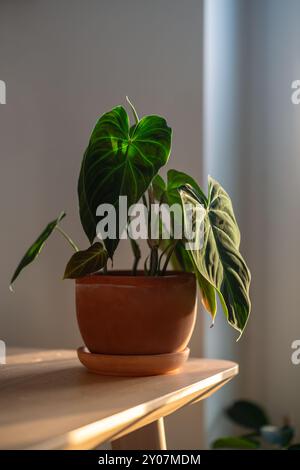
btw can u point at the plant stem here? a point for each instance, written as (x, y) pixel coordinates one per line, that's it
(137, 255)
(146, 272)
(150, 195)
(135, 266)
(153, 260)
(67, 237)
(163, 253)
(105, 268)
(168, 256)
(133, 110)
(145, 201)
(153, 243)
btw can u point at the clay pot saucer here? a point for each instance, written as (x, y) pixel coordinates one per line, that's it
(132, 365)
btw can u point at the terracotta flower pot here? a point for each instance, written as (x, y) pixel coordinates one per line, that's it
(121, 314)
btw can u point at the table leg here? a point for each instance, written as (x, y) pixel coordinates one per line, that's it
(150, 437)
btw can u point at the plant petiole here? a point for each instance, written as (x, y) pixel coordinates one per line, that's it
(67, 237)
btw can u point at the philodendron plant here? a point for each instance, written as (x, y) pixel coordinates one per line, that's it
(124, 159)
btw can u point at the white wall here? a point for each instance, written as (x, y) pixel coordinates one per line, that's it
(221, 149)
(273, 187)
(65, 62)
(252, 145)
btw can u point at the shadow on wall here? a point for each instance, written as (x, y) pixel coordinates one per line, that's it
(251, 143)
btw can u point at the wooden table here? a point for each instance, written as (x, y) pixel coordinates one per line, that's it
(49, 401)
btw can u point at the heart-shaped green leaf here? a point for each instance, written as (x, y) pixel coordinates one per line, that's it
(36, 247)
(175, 180)
(219, 260)
(168, 192)
(86, 262)
(120, 161)
(208, 295)
(182, 259)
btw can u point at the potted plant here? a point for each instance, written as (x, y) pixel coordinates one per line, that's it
(258, 432)
(140, 321)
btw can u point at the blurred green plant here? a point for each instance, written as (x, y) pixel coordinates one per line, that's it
(260, 432)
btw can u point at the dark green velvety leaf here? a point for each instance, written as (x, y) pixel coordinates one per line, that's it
(86, 262)
(177, 179)
(159, 187)
(120, 161)
(36, 247)
(281, 436)
(136, 253)
(208, 295)
(219, 260)
(185, 261)
(247, 414)
(182, 259)
(135, 248)
(168, 192)
(235, 443)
